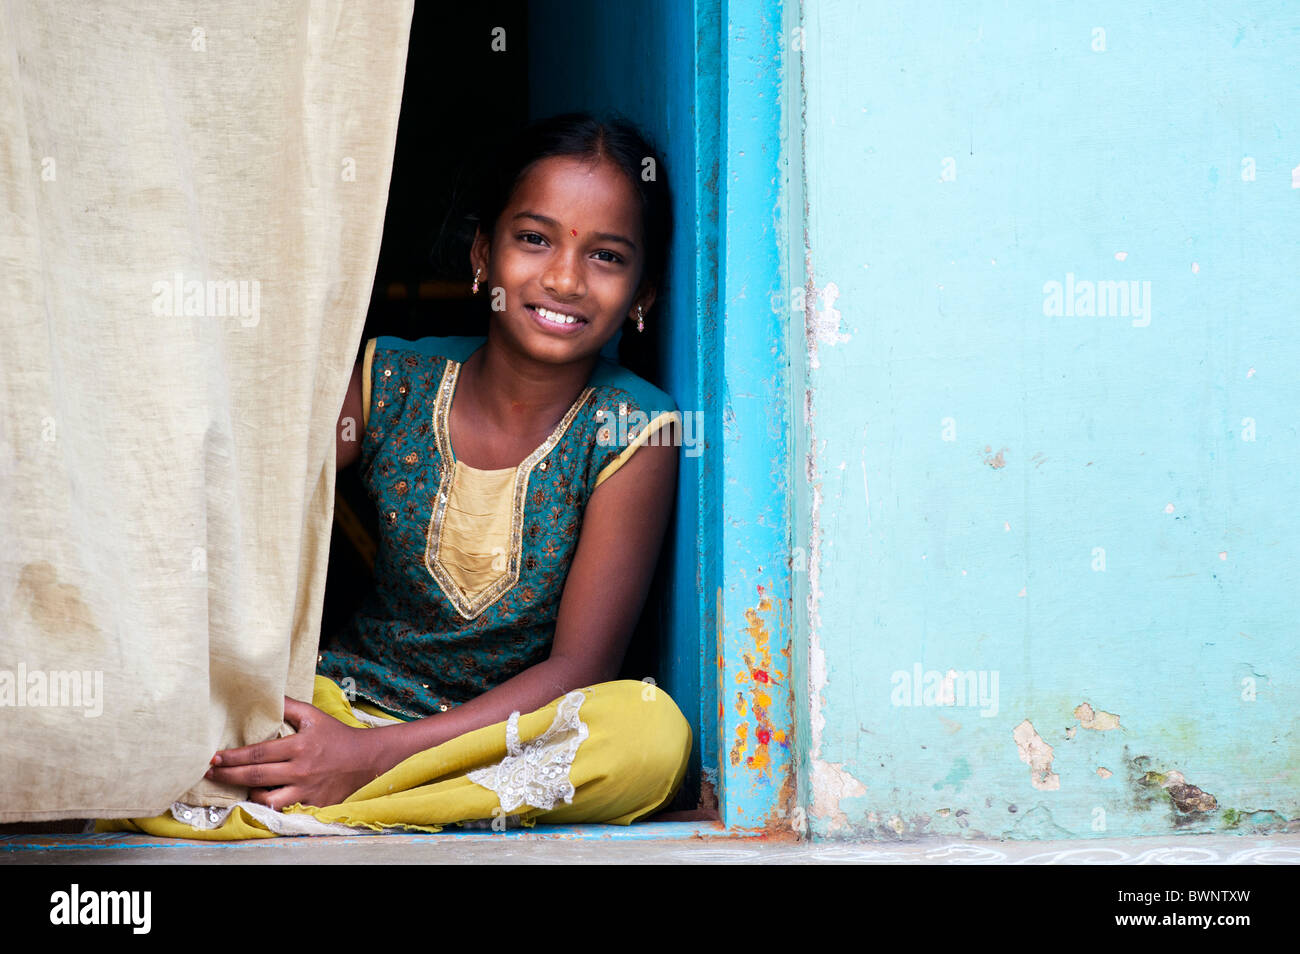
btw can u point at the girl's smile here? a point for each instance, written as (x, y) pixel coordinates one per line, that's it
(556, 321)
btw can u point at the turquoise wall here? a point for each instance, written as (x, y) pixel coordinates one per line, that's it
(1081, 510)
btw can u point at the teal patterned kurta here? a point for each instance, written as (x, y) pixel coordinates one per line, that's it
(420, 644)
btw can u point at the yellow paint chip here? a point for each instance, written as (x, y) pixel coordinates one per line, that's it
(738, 749)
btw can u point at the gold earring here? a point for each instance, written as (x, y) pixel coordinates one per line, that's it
(474, 290)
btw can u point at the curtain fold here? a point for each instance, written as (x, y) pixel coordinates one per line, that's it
(192, 205)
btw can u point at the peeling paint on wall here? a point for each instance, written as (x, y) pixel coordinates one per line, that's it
(720, 670)
(1095, 719)
(760, 676)
(824, 324)
(1037, 754)
(741, 744)
(816, 656)
(830, 783)
(1187, 798)
(1188, 804)
(996, 461)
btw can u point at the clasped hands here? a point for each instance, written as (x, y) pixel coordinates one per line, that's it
(323, 763)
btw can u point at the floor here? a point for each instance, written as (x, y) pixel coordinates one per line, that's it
(667, 843)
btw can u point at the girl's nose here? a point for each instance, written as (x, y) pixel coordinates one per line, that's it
(563, 276)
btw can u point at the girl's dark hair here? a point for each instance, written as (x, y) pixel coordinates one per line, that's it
(584, 136)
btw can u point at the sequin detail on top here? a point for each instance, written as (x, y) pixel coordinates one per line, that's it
(457, 585)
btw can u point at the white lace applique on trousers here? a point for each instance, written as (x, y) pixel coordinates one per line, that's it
(537, 774)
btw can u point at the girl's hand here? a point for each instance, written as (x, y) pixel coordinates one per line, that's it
(322, 764)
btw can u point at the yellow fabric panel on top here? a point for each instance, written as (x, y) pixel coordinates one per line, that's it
(476, 528)
(630, 764)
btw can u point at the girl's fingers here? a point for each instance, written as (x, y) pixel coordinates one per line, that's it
(295, 711)
(277, 750)
(276, 798)
(261, 775)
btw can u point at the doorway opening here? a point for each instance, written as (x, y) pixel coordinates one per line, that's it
(474, 74)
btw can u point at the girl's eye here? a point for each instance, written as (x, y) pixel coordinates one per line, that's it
(527, 239)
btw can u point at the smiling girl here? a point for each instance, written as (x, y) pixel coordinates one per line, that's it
(523, 485)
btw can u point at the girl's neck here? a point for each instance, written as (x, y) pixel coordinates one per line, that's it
(520, 395)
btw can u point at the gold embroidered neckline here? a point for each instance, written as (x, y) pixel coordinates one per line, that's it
(471, 607)
(447, 394)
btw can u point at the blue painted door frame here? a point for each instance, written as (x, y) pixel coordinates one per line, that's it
(705, 80)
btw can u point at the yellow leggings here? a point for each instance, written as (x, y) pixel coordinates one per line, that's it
(630, 763)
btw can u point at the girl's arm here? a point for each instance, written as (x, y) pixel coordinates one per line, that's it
(349, 430)
(622, 532)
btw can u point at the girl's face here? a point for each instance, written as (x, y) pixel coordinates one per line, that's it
(568, 245)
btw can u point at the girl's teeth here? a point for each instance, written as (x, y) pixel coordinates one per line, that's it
(556, 317)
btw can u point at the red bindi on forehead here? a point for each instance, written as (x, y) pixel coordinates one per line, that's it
(573, 232)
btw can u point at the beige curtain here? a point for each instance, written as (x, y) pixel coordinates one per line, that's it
(192, 199)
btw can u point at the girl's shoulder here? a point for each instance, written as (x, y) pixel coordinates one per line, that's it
(612, 381)
(628, 412)
(394, 369)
